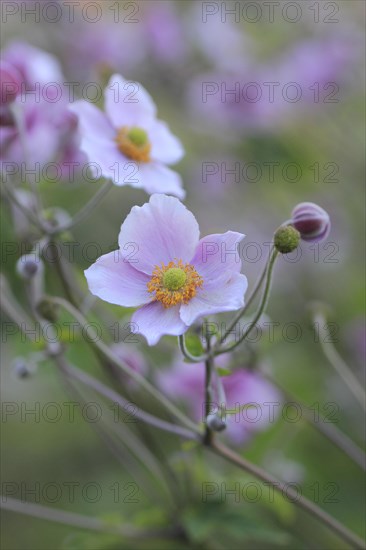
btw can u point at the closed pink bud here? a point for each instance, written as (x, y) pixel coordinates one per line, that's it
(311, 221)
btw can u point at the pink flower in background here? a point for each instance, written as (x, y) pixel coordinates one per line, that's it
(106, 45)
(50, 135)
(40, 136)
(70, 158)
(243, 387)
(163, 266)
(127, 142)
(10, 82)
(41, 102)
(35, 66)
(234, 49)
(164, 32)
(266, 95)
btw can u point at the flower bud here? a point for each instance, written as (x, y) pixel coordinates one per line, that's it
(215, 423)
(10, 83)
(28, 266)
(286, 239)
(311, 221)
(22, 368)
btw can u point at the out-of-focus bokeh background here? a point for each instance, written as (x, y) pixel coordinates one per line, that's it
(268, 100)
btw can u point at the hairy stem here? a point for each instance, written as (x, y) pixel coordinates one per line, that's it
(209, 365)
(77, 520)
(262, 306)
(293, 495)
(143, 382)
(243, 311)
(89, 206)
(115, 397)
(339, 365)
(329, 430)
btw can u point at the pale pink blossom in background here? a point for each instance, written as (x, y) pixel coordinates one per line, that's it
(185, 381)
(108, 139)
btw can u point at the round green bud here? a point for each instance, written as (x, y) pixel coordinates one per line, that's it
(138, 136)
(286, 239)
(174, 278)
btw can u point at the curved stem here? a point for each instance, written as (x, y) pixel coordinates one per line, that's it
(105, 350)
(114, 437)
(58, 263)
(330, 431)
(115, 397)
(242, 312)
(88, 208)
(78, 520)
(339, 365)
(261, 308)
(187, 354)
(295, 497)
(31, 217)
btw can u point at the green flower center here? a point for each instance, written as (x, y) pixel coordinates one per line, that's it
(174, 278)
(137, 136)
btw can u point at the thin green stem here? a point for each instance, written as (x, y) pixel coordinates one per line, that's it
(260, 311)
(59, 266)
(105, 350)
(78, 520)
(15, 312)
(209, 366)
(88, 208)
(339, 365)
(115, 436)
(243, 311)
(324, 427)
(31, 217)
(115, 397)
(294, 496)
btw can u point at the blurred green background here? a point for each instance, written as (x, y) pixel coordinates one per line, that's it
(306, 133)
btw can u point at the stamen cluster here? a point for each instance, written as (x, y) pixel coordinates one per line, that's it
(175, 283)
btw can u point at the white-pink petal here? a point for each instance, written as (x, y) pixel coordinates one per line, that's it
(218, 254)
(127, 103)
(116, 281)
(93, 122)
(154, 177)
(162, 230)
(154, 321)
(166, 147)
(215, 297)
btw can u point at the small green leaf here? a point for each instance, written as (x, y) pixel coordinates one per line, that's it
(223, 372)
(194, 344)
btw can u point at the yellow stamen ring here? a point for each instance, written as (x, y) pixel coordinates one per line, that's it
(175, 283)
(134, 143)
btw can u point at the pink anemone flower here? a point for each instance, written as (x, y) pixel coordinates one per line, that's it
(164, 266)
